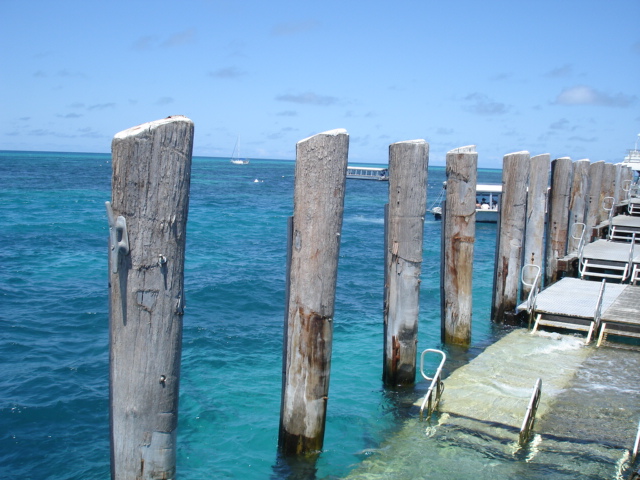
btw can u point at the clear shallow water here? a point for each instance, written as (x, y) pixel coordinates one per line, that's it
(54, 321)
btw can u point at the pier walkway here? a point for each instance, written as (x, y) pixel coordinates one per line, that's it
(585, 426)
(595, 307)
(622, 227)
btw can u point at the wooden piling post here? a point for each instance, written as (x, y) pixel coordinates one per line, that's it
(618, 192)
(320, 177)
(458, 238)
(558, 217)
(535, 220)
(592, 218)
(515, 172)
(608, 190)
(404, 231)
(578, 201)
(150, 193)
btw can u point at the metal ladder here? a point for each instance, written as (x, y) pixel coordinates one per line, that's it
(607, 270)
(432, 398)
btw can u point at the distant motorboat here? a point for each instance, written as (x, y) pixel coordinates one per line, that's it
(235, 156)
(368, 173)
(487, 203)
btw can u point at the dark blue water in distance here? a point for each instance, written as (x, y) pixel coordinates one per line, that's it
(54, 322)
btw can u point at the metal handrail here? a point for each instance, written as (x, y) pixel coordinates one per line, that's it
(530, 414)
(580, 239)
(436, 383)
(611, 211)
(598, 312)
(535, 289)
(634, 452)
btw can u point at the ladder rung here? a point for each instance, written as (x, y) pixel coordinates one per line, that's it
(605, 267)
(572, 326)
(602, 275)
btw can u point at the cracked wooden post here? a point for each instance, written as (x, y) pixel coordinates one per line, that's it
(608, 190)
(150, 191)
(320, 177)
(458, 238)
(618, 192)
(592, 217)
(404, 231)
(557, 231)
(578, 202)
(535, 220)
(515, 173)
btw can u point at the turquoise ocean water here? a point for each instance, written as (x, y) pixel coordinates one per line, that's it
(54, 322)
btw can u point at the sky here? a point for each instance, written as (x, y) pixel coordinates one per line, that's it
(545, 76)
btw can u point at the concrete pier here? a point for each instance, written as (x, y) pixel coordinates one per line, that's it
(585, 426)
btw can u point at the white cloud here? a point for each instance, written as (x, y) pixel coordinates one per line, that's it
(308, 98)
(181, 38)
(101, 106)
(228, 72)
(584, 95)
(483, 105)
(560, 72)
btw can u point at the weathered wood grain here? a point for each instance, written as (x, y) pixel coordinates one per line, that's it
(320, 176)
(404, 232)
(458, 239)
(578, 201)
(150, 189)
(594, 206)
(535, 221)
(608, 190)
(515, 173)
(558, 222)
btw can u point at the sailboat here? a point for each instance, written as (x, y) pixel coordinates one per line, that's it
(235, 156)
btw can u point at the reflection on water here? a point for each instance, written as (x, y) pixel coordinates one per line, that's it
(586, 426)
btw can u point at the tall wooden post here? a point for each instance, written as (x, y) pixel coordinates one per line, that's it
(592, 218)
(558, 220)
(608, 190)
(458, 237)
(515, 173)
(626, 177)
(578, 201)
(320, 176)
(618, 192)
(535, 220)
(404, 231)
(150, 193)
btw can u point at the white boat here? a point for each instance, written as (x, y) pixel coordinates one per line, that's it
(633, 158)
(487, 203)
(235, 156)
(368, 173)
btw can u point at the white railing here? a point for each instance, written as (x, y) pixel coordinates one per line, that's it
(530, 414)
(611, 209)
(580, 239)
(636, 445)
(432, 398)
(534, 288)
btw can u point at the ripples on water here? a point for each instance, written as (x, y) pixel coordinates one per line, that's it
(54, 344)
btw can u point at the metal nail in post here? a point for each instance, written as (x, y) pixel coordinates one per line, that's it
(119, 239)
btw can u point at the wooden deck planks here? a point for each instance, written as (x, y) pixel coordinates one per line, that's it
(604, 250)
(573, 297)
(626, 221)
(625, 308)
